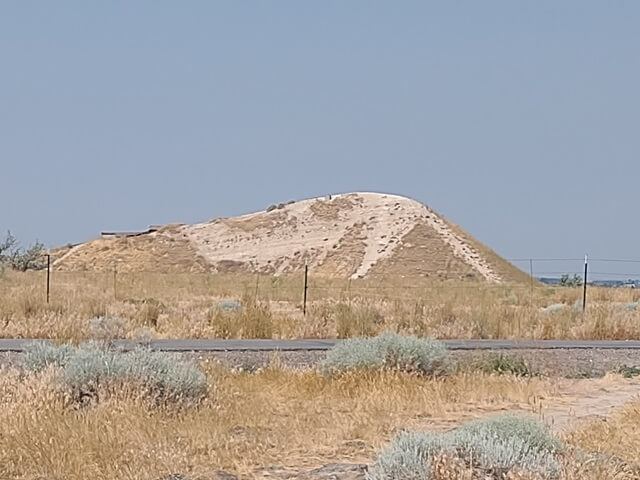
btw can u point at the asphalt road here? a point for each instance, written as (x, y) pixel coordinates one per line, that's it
(214, 345)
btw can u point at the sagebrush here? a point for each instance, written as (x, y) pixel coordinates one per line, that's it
(496, 446)
(88, 369)
(388, 351)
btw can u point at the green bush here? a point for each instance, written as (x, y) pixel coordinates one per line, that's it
(496, 446)
(388, 351)
(85, 370)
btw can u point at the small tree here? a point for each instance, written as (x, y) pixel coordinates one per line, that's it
(8, 245)
(12, 256)
(567, 281)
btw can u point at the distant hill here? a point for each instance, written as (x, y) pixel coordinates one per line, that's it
(354, 235)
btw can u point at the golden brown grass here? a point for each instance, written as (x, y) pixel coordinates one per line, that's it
(617, 436)
(185, 306)
(295, 420)
(247, 423)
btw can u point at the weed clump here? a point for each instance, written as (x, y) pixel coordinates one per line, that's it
(106, 328)
(149, 312)
(628, 372)
(497, 446)
(356, 319)
(388, 351)
(90, 369)
(505, 364)
(249, 319)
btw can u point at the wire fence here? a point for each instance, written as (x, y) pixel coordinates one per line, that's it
(307, 286)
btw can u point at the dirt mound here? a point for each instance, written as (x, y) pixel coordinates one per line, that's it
(355, 234)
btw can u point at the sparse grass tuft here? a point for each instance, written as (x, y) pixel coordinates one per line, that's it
(250, 320)
(106, 328)
(506, 364)
(148, 312)
(356, 320)
(628, 372)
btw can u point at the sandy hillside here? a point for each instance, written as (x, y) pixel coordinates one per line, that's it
(355, 234)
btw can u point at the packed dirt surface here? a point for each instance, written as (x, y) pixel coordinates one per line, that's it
(588, 400)
(355, 234)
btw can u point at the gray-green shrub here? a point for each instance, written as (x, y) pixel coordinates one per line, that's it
(388, 351)
(497, 445)
(88, 368)
(39, 355)
(509, 443)
(410, 456)
(514, 427)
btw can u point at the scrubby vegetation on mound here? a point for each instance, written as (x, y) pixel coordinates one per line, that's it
(388, 351)
(494, 448)
(88, 369)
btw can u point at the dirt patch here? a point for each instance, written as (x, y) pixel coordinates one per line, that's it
(588, 400)
(501, 267)
(346, 255)
(257, 221)
(423, 253)
(327, 210)
(156, 252)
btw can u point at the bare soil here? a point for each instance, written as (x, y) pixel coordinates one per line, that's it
(356, 234)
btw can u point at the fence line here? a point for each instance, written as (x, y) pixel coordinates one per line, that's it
(375, 285)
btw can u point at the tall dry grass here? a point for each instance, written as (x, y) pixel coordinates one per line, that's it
(186, 306)
(247, 423)
(252, 422)
(617, 437)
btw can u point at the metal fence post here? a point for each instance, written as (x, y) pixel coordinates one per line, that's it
(304, 298)
(48, 276)
(584, 287)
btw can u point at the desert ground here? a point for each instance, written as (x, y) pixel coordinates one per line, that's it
(385, 275)
(283, 417)
(283, 422)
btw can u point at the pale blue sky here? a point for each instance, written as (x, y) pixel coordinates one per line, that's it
(516, 120)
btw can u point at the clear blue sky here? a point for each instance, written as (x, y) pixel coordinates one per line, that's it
(517, 120)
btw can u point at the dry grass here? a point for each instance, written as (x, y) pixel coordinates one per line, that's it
(296, 420)
(617, 437)
(249, 422)
(185, 306)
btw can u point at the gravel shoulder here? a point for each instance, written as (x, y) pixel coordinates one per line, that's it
(569, 363)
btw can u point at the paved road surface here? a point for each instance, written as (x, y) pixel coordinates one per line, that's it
(17, 345)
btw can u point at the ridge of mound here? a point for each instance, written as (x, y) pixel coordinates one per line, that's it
(354, 234)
